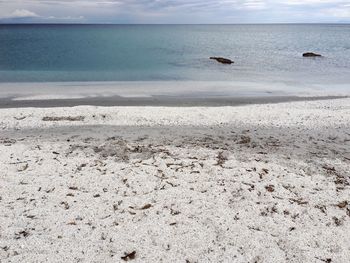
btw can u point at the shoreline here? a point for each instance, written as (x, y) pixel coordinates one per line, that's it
(158, 101)
(161, 93)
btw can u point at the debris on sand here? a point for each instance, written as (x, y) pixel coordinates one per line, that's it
(245, 139)
(23, 233)
(129, 256)
(343, 204)
(20, 118)
(222, 157)
(64, 118)
(270, 188)
(328, 168)
(146, 207)
(299, 201)
(23, 167)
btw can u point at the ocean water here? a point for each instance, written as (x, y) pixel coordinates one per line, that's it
(92, 53)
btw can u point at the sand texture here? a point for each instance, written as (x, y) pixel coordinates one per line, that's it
(256, 183)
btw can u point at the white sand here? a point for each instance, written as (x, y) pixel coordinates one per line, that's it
(258, 183)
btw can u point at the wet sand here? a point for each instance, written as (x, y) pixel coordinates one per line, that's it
(166, 101)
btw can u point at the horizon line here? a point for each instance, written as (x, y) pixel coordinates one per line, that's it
(169, 24)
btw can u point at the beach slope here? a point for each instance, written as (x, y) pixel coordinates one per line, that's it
(254, 183)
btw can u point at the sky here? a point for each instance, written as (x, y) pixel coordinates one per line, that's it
(174, 11)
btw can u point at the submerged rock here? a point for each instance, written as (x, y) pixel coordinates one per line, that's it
(222, 60)
(311, 55)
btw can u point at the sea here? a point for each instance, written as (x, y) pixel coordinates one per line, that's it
(266, 57)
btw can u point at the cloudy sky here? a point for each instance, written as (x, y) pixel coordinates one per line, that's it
(174, 11)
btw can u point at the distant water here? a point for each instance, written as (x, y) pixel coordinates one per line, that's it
(262, 53)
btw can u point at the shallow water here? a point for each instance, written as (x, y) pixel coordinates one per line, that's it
(264, 55)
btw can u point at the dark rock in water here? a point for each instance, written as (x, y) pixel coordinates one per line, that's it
(222, 60)
(311, 55)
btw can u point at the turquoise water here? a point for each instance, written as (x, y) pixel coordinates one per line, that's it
(269, 53)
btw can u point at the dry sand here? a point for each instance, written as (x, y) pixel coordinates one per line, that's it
(257, 183)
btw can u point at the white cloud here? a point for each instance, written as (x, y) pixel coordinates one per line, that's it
(254, 4)
(65, 18)
(343, 12)
(21, 13)
(177, 11)
(24, 15)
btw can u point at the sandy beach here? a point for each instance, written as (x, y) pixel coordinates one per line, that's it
(253, 183)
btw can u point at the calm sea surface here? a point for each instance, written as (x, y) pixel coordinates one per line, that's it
(262, 53)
